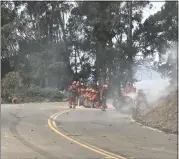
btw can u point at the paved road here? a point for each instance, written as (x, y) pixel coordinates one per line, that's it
(52, 131)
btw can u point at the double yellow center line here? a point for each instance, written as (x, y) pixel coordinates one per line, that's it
(53, 126)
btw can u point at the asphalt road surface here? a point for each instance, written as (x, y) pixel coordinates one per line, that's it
(53, 131)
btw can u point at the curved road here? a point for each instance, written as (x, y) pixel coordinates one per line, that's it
(52, 131)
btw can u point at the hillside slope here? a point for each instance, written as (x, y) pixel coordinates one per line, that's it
(163, 114)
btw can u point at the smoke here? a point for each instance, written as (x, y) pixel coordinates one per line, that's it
(154, 89)
(157, 87)
(161, 88)
(172, 60)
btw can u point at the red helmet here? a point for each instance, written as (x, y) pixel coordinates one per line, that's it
(74, 82)
(105, 86)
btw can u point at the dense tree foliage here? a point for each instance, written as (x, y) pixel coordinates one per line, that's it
(52, 43)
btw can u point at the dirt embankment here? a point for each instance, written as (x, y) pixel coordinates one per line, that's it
(163, 114)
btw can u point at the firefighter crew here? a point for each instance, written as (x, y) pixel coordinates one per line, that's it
(92, 96)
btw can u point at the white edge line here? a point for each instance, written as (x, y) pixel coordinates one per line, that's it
(144, 125)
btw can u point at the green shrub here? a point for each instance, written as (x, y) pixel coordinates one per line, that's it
(50, 94)
(12, 86)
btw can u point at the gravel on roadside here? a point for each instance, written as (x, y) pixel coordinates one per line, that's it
(163, 114)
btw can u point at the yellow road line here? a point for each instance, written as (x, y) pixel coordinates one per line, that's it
(99, 149)
(105, 153)
(53, 115)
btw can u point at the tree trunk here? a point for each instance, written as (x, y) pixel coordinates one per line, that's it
(98, 63)
(66, 54)
(75, 61)
(130, 53)
(38, 25)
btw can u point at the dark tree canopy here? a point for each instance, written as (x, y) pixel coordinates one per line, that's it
(52, 43)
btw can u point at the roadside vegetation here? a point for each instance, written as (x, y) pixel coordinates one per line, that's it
(13, 87)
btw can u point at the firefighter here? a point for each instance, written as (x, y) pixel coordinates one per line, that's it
(141, 97)
(72, 95)
(94, 99)
(80, 90)
(89, 96)
(78, 84)
(127, 88)
(82, 93)
(103, 96)
(141, 93)
(98, 102)
(86, 97)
